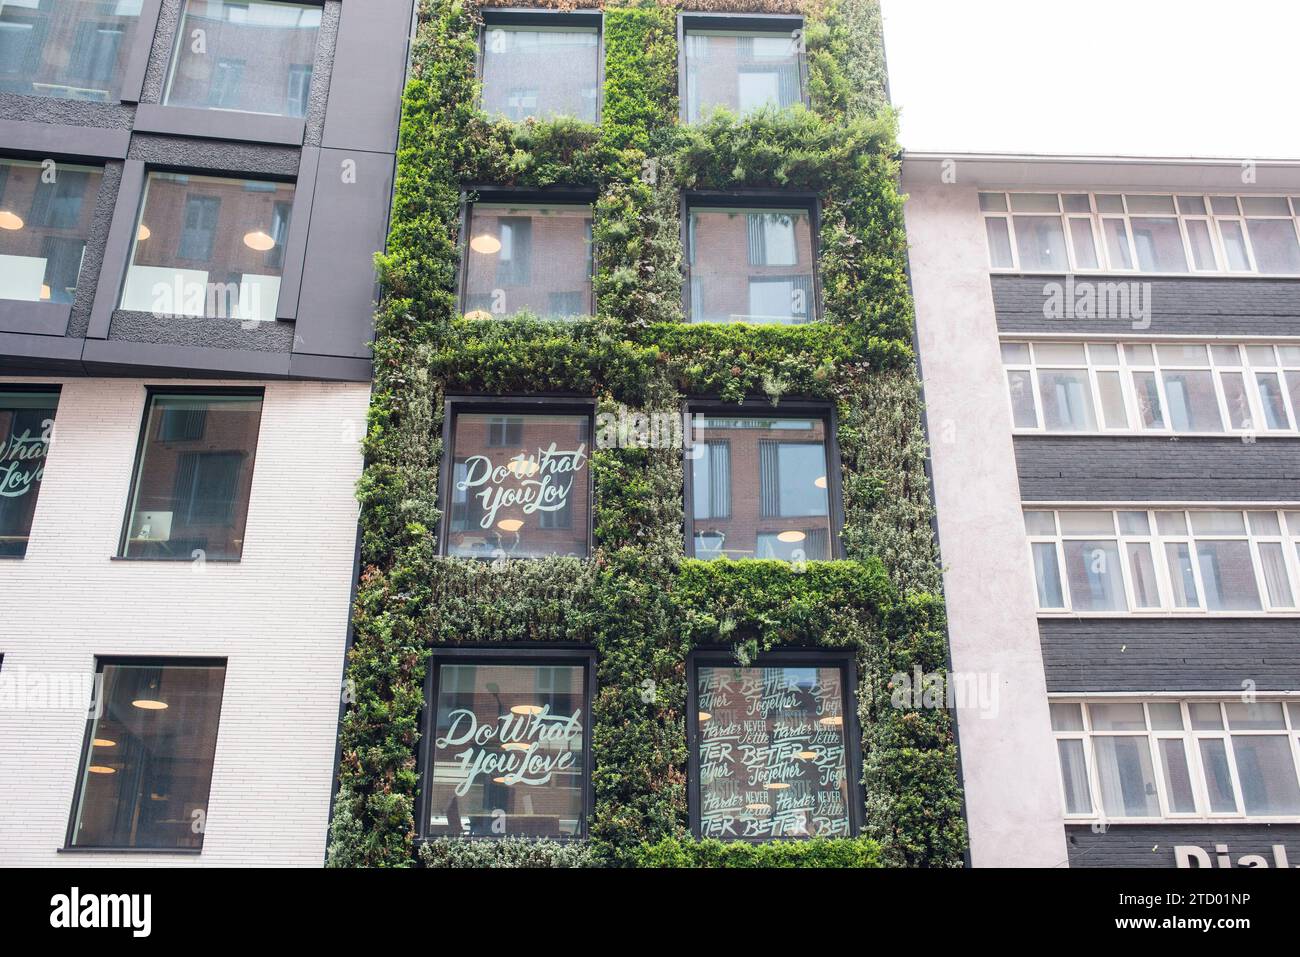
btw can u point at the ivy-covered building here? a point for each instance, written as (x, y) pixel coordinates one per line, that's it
(646, 547)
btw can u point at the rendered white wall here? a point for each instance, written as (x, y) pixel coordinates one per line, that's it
(279, 616)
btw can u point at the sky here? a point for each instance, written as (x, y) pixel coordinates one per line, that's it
(1175, 78)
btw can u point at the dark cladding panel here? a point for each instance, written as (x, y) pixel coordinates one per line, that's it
(365, 98)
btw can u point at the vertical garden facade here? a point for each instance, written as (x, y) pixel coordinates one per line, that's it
(646, 530)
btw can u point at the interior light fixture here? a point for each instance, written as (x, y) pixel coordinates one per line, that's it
(500, 780)
(759, 808)
(705, 716)
(10, 220)
(832, 720)
(820, 481)
(259, 241)
(526, 709)
(515, 746)
(807, 755)
(478, 315)
(776, 785)
(143, 233)
(510, 524)
(101, 769)
(149, 704)
(486, 244)
(523, 467)
(45, 291)
(104, 743)
(791, 536)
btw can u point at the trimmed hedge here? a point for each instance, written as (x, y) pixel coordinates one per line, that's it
(506, 852)
(816, 852)
(639, 601)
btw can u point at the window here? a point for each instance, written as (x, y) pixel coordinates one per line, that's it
(148, 756)
(1064, 232)
(193, 476)
(742, 70)
(751, 265)
(541, 71)
(73, 49)
(774, 751)
(253, 56)
(45, 216)
(209, 247)
(510, 745)
(759, 488)
(1166, 561)
(519, 484)
(528, 257)
(1178, 760)
(1153, 388)
(26, 426)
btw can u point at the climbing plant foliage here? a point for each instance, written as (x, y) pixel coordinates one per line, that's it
(638, 600)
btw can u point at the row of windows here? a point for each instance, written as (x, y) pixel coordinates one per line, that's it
(190, 488)
(1153, 388)
(507, 750)
(1186, 561)
(1179, 760)
(1143, 232)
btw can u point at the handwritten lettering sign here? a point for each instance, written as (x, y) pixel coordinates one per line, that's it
(541, 482)
(772, 753)
(26, 429)
(522, 736)
(22, 463)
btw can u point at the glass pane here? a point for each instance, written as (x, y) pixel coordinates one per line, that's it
(1117, 248)
(1259, 716)
(1087, 522)
(1276, 578)
(1171, 523)
(1198, 231)
(740, 71)
(26, 427)
(1040, 523)
(1265, 206)
(1067, 400)
(1040, 241)
(751, 265)
(1146, 593)
(1047, 573)
(1147, 393)
(149, 757)
(1192, 403)
(528, 258)
(520, 486)
(1266, 770)
(44, 222)
(1141, 203)
(1074, 777)
(1270, 398)
(1177, 776)
(1076, 203)
(1224, 205)
(1234, 245)
(1085, 252)
(1112, 400)
(773, 760)
(1260, 355)
(1015, 353)
(1117, 717)
(1234, 394)
(1182, 355)
(1225, 355)
(999, 242)
(255, 56)
(1182, 578)
(1228, 576)
(1293, 390)
(508, 756)
(1139, 355)
(993, 202)
(73, 49)
(1103, 353)
(1159, 245)
(1165, 716)
(1275, 245)
(1125, 777)
(207, 246)
(1035, 203)
(1134, 523)
(1066, 717)
(194, 478)
(1110, 203)
(1218, 777)
(1191, 205)
(540, 72)
(1206, 716)
(1218, 523)
(1096, 581)
(1264, 523)
(1023, 413)
(1059, 353)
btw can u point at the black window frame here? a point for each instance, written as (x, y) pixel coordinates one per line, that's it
(474, 195)
(455, 405)
(150, 392)
(794, 657)
(778, 24)
(141, 661)
(535, 17)
(56, 392)
(762, 408)
(753, 199)
(503, 654)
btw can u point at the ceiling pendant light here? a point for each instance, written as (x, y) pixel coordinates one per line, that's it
(259, 241)
(515, 746)
(820, 481)
(510, 524)
(832, 720)
(104, 743)
(486, 244)
(149, 704)
(791, 536)
(10, 220)
(526, 709)
(45, 291)
(704, 716)
(101, 769)
(143, 233)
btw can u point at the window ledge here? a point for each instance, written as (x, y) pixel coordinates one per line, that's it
(176, 561)
(220, 124)
(181, 851)
(1162, 615)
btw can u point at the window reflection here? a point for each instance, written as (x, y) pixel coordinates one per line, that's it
(540, 72)
(71, 49)
(529, 257)
(45, 216)
(26, 426)
(751, 265)
(741, 71)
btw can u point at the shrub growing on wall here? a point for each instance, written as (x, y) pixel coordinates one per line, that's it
(638, 600)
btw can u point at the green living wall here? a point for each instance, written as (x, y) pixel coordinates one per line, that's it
(638, 600)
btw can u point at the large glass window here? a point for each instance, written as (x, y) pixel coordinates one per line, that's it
(45, 216)
(541, 72)
(741, 71)
(519, 485)
(759, 488)
(1137, 387)
(210, 247)
(509, 749)
(74, 49)
(772, 750)
(193, 476)
(528, 257)
(751, 265)
(148, 756)
(254, 56)
(1206, 560)
(26, 426)
(1143, 232)
(1178, 760)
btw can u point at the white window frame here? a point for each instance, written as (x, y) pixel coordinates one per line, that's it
(1288, 522)
(1192, 751)
(1097, 219)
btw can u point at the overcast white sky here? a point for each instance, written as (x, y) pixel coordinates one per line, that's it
(1208, 78)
